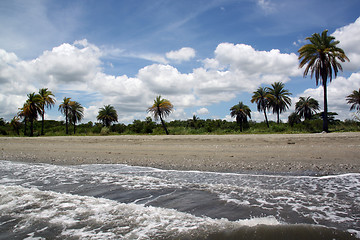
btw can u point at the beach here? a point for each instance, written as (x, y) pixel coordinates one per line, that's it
(299, 154)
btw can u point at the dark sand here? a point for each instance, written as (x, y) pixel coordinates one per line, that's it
(310, 154)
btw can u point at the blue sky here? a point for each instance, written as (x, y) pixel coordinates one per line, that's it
(204, 56)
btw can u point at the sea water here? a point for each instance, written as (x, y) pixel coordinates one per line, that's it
(115, 201)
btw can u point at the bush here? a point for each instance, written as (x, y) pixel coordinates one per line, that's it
(278, 128)
(105, 131)
(119, 128)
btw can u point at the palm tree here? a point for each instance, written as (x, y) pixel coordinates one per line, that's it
(241, 112)
(160, 109)
(293, 119)
(306, 107)
(279, 99)
(64, 107)
(24, 113)
(262, 98)
(15, 124)
(32, 108)
(354, 99)
(76, 113)
(107, 115)
(321, 57)
(46, 101)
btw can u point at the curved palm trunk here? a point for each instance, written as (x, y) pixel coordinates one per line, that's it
(266, 119)
(163, 124)
(325, 117)
(66, 122)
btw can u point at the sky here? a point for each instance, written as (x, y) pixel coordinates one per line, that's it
(204, 56)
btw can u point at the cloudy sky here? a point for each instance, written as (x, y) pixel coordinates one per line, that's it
(203, 55)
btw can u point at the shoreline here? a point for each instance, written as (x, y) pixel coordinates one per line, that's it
(286, 154)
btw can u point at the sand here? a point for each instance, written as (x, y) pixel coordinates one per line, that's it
(299, 154)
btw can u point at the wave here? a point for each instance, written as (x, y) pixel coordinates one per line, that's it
(203, 204)
(31, 212)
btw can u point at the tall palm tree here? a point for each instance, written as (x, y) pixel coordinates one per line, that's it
(76, 113)
(160, 109)
(306, 107)
(107, 115)
(279, 100)
(64, 107)
(32, 108)
(241, 112)
(47, 101)
(354, 99)
(321, 57)
(262, 98)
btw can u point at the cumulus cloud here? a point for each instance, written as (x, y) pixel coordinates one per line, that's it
(183, 54)
(202, 111)
(349, 37)
(76, 69)
(240, 68)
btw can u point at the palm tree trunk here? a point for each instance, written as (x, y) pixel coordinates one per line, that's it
(42, 122)
(163, 124)
(278, 115)
(266, 119)
(74, 128)
(325, 117)
(66, 122)
(31, 127)
(25, 120)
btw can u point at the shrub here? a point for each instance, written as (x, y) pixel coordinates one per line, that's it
(105, 131)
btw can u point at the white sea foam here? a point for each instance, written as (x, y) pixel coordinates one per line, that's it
(332, 201)
(97, 218)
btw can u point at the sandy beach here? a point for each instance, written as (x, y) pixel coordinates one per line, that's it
(318, 154)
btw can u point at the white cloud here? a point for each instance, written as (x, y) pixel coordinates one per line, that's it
(75, 71)
(202, 111)
(183, 54)
(248, 60)
(241, 68)
(349, 37)
(165, 79)
(149, 56)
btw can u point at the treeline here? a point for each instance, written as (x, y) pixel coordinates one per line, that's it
(181, 127)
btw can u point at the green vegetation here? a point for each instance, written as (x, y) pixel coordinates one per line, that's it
(185, 127)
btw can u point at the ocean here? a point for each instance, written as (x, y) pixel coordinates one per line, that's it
(116, 201)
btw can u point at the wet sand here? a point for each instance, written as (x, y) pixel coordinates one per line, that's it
(309, 154)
